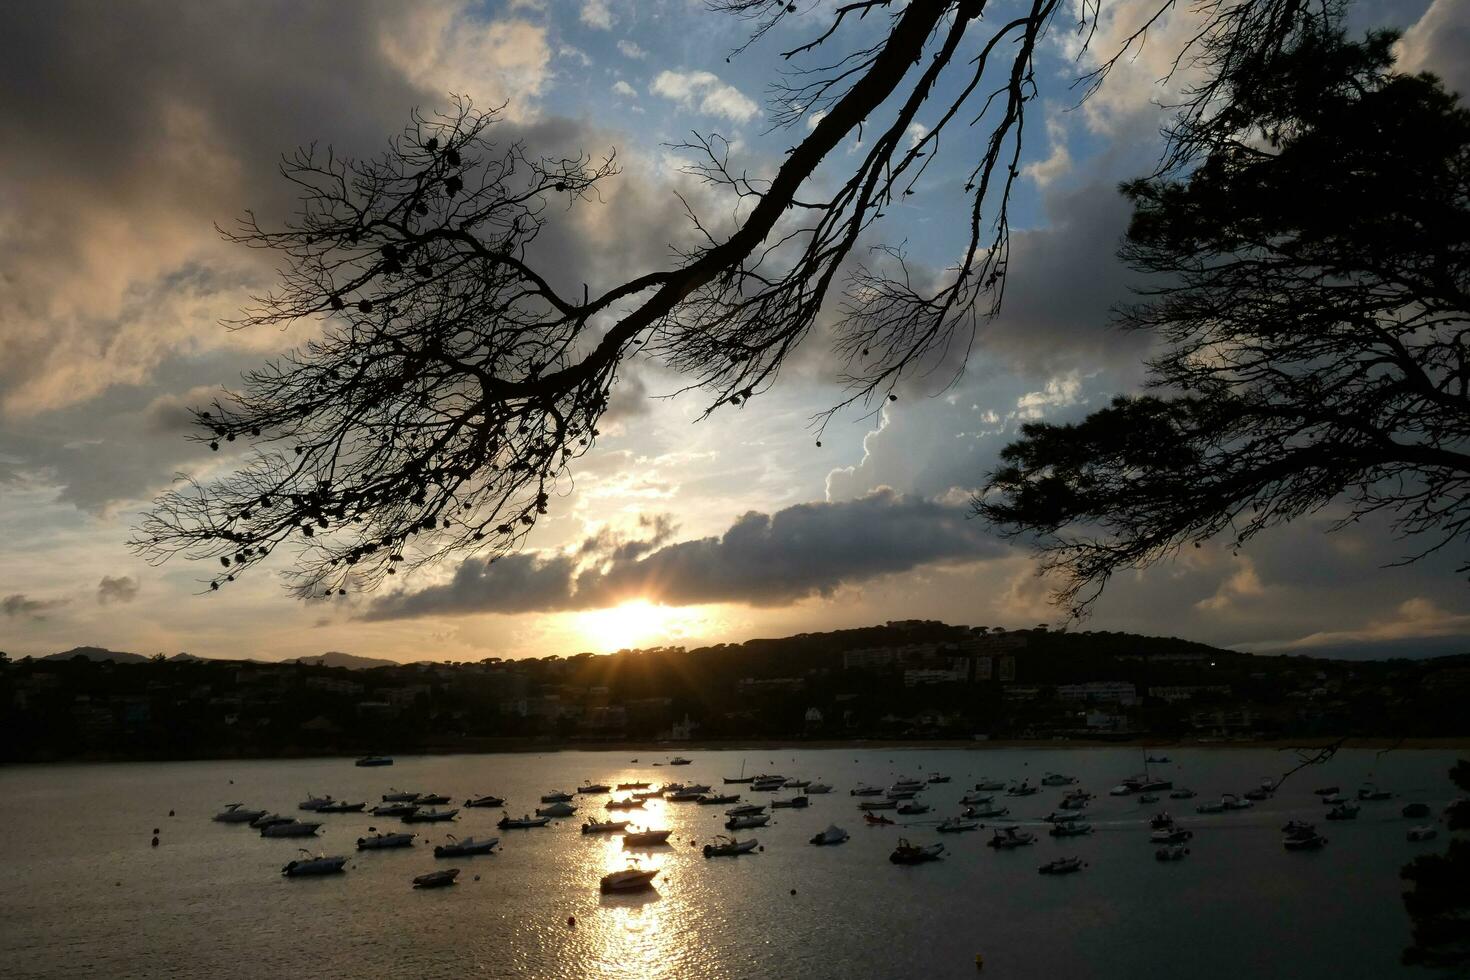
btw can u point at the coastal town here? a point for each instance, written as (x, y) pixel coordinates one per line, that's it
(905, 680)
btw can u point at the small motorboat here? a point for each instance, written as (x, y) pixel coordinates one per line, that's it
(379, 842)
(1023, 788)
(645, 838)
(866, 791)
(465, 848)
(1170, 835)
(1058, 816)
(1303, 842)
(1425, 832)
(628, 804)
(794, 783)
(1233, 802)
(595, 826)
(795, 803)
(832, 835)
(436, 879)
(1298, 827)
(1057, 779)
(684, 796)
(1370, 792)
(1061, 866)
(373, 760)
(1161, 820)
(523, 822)
(623, 786)
(739, 780)
(291, 828)
(697, 788)
(956, 825)
(1009, 837)
(1149, 798)
(906, 853)
(878, 805)
(900, 794)
(990, 785)
(270, 819)
(1334, 798)
(488, 801)
(556, 810)
(1172, 852)
(935, 777)
(717, 799)
(236, 813)
(313, 802)
(594, 788)
(912, 809)
(1344, 811)
(1327, 790)
(745, 810)
(394, 809)
(985, 812)
(557, 798)
(1258, 795)
(723, 846)
(1157, 760)
(341, 806)
(977, 799)
(398, 796)
(679, 760)
(1415, 810)
(631, 879)
(1076, 802)
(1212, 807)
(1079, 829)
(817, 789)
(429, 816)
(747, 821)
(1182, 794)
(309, 865)
(905, 783)
(876, 820)
(649, 794)
(431, 799)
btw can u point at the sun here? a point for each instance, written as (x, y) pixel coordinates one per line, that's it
(637, 623)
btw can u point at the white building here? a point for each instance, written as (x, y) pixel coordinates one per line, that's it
(1115, 692)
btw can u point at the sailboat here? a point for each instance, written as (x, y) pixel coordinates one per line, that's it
(743, 779)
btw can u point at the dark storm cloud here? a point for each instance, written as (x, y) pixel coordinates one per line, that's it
(22, 606)
(762, 560)
(120, 588)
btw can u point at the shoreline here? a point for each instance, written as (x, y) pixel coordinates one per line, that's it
(656, 748)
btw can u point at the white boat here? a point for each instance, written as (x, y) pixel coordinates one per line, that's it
(813, 789)
(990, 785)
(795, 803)
(431, 799)
(1214, 807)
(1171, 852)
(1344, 811)
(747, 821)
(319, 865)
(745, 810)
(906, 853)
(986, 812)
(912, 809)
(595, 826)
(794, 783)
(1369, 791)
(1182, 794)
(313, 802)
(1310, 841)
(1062, 866)
(294, 828)
(429, 816)
(436, 879)
(557, 797)
(556, 810)
(487, 801)
(832, 835)
(399, 796)
(1057, 779)
(935, 777)
(977, 799)
(236, 813)
(465, 848)
(594, 788)
(378, 842)
(1079, 829)
(723, 846)
(878, 804)
(1425, 832)
(866, 791)
(1170, 835)
(1010, 837)
(523, 822)
(1023, 788)
(270, 819)
(633, 878)
(645, 838)
(394, 809)
(956, 825)
(1233, 802)
(1060, 817)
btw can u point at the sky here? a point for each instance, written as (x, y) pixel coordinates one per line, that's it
(134, 129)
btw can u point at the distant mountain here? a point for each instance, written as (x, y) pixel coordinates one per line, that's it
(182, 658)
(351, 661)
(98, 655)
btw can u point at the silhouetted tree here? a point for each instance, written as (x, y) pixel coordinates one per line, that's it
(1439, 902)
(453, 385)
(1312, 293)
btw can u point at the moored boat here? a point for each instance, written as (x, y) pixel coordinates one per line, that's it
(645, 838)
(595, 826)
(486, 801)
(956, 825)
(1009, 837)
(627, 804)
(236, 813)
(394, 809)
(906, 853)
(556, 810)
(1170, 835)
(832, 835)
(912, 809)
(431, 799)
(436, 879)
(313, 802)
(1062, 866)
(747, 821)
(878, 805)
(373, 760)
(876, 819)
(679, 760)
(794, 803)
(1425, 832)
(745, 810)
(723, 846)
(291, 828)
(1309, 841)
(633, 878)
(399, 796)
(1182, 794)
(717, 799)
(429, 816)
(1344, 811)
(1370, 792)
(985, 812)
(1080, 829)
(594, 788)
(468, 847)
(1057, 779)
(523, 822)
(865, 791)
(557, 797)
(379, 842)
(270, 819)
(341, 806)
(309, 865)
(1171, 852)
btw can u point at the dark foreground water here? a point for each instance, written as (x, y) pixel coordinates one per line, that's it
(82, 894)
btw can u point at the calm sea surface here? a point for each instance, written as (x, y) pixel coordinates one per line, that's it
(82, 894)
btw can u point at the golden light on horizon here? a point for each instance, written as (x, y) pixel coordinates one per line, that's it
(639, 623)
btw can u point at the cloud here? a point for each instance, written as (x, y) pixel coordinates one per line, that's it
(704, 92)
(632, 50)
(21, 606)
(1060, 392)
(763, 560)
(1438, 43)
(1416, 618)
(122, 588)
(624, 89)
(1058, 163)
(597, 14)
